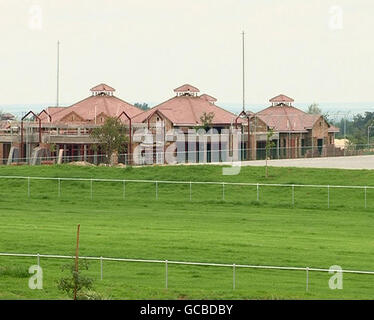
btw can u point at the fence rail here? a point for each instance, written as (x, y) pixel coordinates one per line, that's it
(189, 263)
(291, 187)
(241, 154)
(190, 182)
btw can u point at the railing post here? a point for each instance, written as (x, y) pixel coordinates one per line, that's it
(328, 196)
(91, 193)
(28, 187)
(101, 268)
(258, 192)
(190, 190)
(124, 190)
(293, 195)
(156, 190)
(365, 198)
(223, 191)
(59, 187)
(38, 259)
(233, 276)
(166, 274)
(307, 278)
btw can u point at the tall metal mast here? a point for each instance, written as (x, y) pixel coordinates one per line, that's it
(243, 74)
(58, 73)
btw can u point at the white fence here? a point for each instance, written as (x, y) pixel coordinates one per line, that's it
(291, 187)
(219, 156)
(206, 264)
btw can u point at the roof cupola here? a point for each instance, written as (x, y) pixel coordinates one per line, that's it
(281, 99)
(102, 90)
(186, 90)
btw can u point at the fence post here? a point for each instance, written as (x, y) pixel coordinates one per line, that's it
(101, 268)
(156, 190)
(59, 187)
(365, 198)
(190, 190)
(258, 192)
(328, 196)
(91, 190)
(293, 195)
(307, 278)
(28, 187)
(233, 276)
(38, 259)
(124, 190)
(166, 274)
(223, 191)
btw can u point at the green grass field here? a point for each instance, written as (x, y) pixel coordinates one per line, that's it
(238, 230)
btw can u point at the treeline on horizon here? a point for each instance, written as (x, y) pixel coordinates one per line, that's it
(358, 128)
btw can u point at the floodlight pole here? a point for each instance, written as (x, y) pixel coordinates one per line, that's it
(369, 135)
(243, 72)
(58, 74)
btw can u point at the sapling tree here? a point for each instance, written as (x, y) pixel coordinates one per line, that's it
(111, 137)
(206, 120)
(75, 282)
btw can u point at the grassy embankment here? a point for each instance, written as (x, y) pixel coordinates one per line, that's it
(208, 229)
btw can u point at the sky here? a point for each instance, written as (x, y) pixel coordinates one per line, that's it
(313, 51)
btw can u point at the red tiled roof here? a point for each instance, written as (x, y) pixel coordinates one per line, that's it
(281, 98)
(333, 129)
(186, 87)
(187, 110)
(283, 118)
(102, 87)
(110, 106)
(207, 97)
(53, 110)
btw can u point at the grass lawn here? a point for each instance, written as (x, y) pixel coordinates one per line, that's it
(238, 229)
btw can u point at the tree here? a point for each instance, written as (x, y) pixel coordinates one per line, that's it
(206, 120)
(111, 137)
(314, 109)
(269, 144)
(355, 129)
(143, 106)
(76, 281)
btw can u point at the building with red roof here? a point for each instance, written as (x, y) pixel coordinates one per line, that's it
(186, 109)
(93, 109)
(68, 128)
(295, 132)
(184, 112)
